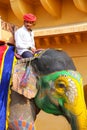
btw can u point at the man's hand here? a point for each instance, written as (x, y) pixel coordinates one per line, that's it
(33, 50)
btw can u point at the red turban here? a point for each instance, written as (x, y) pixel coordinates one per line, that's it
(29, 17)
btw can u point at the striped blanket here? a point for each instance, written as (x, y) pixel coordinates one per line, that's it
(6, 63)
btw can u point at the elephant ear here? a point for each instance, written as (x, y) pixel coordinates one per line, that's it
(53, 60)
(24, 80)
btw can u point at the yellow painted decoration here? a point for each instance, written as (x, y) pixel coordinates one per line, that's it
(20, 7)
(53, 7)
(81, 5)
(75, 102)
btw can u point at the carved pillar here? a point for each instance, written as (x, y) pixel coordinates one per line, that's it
(46, 41)
(78, 38)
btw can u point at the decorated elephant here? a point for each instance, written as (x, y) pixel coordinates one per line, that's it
(57, 89)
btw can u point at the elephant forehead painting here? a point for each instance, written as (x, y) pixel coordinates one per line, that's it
(55, 87)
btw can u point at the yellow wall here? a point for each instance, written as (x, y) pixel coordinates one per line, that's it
(3, 12)
(5, 35)
(46, 121)
(68, 14)
(12, 18)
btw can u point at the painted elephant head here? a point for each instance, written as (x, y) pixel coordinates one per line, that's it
(60, 88)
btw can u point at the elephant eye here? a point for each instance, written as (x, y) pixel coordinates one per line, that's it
(61, 85)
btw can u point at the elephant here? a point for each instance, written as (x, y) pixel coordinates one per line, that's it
(53, 70)
(60, 88)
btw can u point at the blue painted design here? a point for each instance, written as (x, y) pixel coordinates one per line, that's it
(27, 125)
(19, 122)
(4, 85)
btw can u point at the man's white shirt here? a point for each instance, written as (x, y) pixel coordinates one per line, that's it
(23, 40)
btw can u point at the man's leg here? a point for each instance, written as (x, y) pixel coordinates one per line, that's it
(27, 54)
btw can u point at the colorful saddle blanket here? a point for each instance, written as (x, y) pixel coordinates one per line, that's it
(24, 80)
(6, 63)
